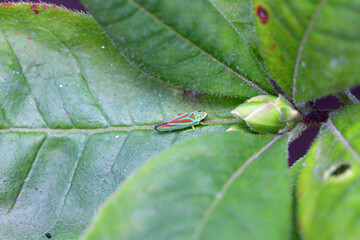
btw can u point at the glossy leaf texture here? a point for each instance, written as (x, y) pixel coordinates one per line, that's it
(310, 47)
(76, 119)
(205, 46)
(205, 188)
(328, 187)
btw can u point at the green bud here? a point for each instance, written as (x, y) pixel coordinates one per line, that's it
(267, 114)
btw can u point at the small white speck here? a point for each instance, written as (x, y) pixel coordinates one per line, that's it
(111, 64)
(334, 62)
(63, 112)
(117, 136)
(60, 85)
(303, 64)
(303, 164)
(159, 95)
(219, 196)
(102, 46)
(67, 38)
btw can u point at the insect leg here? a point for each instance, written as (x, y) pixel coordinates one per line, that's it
(192, 129)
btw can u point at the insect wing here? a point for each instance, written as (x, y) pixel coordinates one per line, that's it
(183, 121)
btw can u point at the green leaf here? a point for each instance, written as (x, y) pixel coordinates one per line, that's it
(294, 173)
(204, 46)
(205, 188)
(239, 15)
(76, 120)
(310, 47)
(328, 192)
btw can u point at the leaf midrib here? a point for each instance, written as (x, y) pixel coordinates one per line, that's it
(304, 39)
(211, 57)
(108, 129)
(230, 22)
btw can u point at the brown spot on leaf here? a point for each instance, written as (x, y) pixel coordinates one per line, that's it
(300, 194)
(29, 37)
(262, 14)
(91, 47)
(34, 7)
(272, 47)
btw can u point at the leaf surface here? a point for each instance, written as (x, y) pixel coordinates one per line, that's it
(205, 188)
(76, 120)
(311, 48)
(328, 188)
(206, 45)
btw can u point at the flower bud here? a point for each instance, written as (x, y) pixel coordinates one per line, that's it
(267, 114)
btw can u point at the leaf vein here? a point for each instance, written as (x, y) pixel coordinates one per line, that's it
(147, 38)
(99, 106)
(67, 190)
(304, 39)
(185, 61)
(237, 31)
(7, 119)
(343, 140)
(219, 195)
(211, 57)
(112, 167)
(28, 174)
(24, 76)
(108, 129)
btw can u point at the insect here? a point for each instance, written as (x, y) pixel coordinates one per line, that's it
(183, 121)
